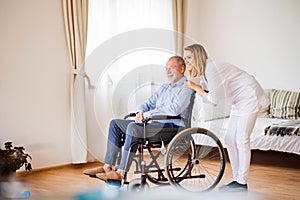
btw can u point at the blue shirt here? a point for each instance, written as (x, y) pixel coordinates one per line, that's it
(168, 100)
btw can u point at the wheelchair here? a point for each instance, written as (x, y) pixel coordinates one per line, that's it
(189, 159)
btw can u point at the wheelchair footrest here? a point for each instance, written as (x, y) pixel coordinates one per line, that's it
(189, 177)
(161, 170)
(175, 169)
(149, 171)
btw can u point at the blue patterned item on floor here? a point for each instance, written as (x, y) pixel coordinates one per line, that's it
(13, 190)
(108, 192)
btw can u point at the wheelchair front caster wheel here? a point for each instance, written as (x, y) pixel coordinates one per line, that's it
(136, 185)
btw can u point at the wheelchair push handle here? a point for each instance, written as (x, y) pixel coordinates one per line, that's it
(130, 115)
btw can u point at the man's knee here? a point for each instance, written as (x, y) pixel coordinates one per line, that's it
(114, 128)
(117, 123)
(112, 123)
(134, 129)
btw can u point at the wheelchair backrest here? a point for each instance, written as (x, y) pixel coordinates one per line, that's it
(188, 119)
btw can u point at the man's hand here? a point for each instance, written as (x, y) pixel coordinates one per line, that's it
(139, 117)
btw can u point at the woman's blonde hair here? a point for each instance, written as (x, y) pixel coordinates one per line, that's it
(200, 56)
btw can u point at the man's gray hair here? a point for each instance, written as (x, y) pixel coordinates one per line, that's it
(179, 61)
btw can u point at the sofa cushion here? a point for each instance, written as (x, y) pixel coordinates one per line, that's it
(284, 104)
(265, 112)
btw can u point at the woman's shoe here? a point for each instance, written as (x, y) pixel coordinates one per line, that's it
(234, 186)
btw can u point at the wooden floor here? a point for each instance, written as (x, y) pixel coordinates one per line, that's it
(273, 175)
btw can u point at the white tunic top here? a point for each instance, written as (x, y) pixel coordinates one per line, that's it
(237, 87)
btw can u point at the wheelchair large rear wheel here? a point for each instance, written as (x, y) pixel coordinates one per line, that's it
(195, 160)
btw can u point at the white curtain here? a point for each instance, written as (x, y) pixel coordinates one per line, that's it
(75, 18)
(178, 7)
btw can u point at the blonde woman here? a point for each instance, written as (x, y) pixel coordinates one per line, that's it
(216, 82)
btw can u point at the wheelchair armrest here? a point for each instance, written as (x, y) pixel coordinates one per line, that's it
(154, 117)
(161, 117)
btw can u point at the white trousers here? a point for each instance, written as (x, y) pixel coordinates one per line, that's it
(237, 140)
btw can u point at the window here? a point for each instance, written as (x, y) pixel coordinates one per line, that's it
(108, 18)
(126, 77)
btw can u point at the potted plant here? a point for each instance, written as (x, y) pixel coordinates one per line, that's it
(12, 159)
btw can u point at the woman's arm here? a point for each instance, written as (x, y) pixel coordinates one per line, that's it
(200, 91)
(196, 87)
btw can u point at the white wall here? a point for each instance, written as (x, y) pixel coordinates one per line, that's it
(34, 80)
(260, 36)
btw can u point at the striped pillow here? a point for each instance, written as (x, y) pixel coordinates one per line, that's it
(284, 104)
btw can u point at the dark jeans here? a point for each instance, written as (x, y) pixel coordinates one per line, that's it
(131, 132)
